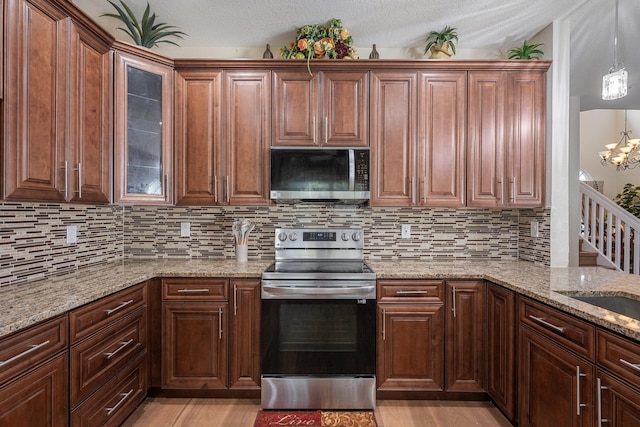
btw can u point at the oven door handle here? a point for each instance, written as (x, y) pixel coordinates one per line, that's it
(315, 290)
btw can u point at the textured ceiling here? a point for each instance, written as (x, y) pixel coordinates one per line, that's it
(494, 26)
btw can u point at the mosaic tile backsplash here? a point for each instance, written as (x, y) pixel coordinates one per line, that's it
(33, 236)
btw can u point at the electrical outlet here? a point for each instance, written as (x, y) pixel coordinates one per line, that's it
(406, 231)
(535, 229)
(185, 229)
(72, 234)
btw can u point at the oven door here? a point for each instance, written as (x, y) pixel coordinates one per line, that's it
(324, 337)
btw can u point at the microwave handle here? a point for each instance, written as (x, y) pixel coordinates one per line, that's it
(352, 170)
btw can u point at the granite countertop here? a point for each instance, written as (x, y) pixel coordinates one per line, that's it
(26, 304)
(548, 285)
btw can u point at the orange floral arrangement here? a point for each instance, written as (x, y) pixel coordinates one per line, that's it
(321, 41)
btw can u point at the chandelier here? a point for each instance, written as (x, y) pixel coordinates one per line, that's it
(624, 154)
(614, 84)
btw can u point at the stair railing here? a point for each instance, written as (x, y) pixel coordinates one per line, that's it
(610, 230)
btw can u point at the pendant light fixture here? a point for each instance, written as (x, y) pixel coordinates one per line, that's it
(614, 84)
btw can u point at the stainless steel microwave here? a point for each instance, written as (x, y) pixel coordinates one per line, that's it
(331, 175)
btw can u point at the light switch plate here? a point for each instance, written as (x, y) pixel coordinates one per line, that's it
(72, 234)
(406, 231)
(535, 229)
(185, 229)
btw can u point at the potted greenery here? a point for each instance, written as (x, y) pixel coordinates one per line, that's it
(629, 199)
(144, 32)
(526, 51)
(441, 43)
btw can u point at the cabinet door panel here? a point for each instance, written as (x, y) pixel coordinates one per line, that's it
(194, 344)
(410, 347)
(247, 118)
(620, 404)
(91, 91)
(500, 342)
(198, 138)
(548, 384)
(345, 108)
(35, 101)
(526, 158)
(464, 345)
(442, 135)
(485, 161)
(39, 398)
(295, 113)
(244, 363)
(393, 138)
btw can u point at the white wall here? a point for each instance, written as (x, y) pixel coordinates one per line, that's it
(600, 127)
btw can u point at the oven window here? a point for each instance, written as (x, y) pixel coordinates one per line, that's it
(318, 337)
(322, 327)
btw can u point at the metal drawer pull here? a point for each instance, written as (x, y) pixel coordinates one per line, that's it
(412, 292)
(124, 344)
(545, 323)
(124, 304)
(235, 300)
(453, 297)
(579, 375)
(384, 325)
(187, 291)
(120, 402)
(599, 389)
(219, 323)
(24, 353)
(635, 366)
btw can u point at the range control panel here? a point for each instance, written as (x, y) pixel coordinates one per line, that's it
(302, 238)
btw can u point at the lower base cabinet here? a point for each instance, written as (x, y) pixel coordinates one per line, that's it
(38, 398)
(555, 387)
(618, 403)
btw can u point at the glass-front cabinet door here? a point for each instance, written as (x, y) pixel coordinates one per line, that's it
(143, 131)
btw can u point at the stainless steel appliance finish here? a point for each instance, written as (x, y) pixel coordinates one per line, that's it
(324, 175)
(307, 392)
(318, 322)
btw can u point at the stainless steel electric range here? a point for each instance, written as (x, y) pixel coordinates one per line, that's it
(318, 330)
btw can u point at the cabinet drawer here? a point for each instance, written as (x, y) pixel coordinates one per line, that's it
(195, 289)
(411, 290)
(26, 348)
(564, 328)
(113, 403)
(93, 316)
(95, 359)
(619, 355)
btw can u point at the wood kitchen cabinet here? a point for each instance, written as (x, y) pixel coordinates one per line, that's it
(91, 132)
(57, 120)
(328, 108)
(506, 138)
(215, 164)
(35, 101)
(393, 132)
(410, 355)
(34, 376)
(556, 378)
(244, 348)
(247, 112)
(108, 358)
(442, 110)
(618, 381)
(143, 127)
(500, 348)
(198, 138)
(464, 347)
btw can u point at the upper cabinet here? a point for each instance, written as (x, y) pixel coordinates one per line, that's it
(143, 130)
(222, 165)
(57, 120)
(329, 108)
(506, 142)
(35, 102)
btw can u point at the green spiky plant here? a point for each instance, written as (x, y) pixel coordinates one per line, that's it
(439, 38)
(144, 32)
(526, 51)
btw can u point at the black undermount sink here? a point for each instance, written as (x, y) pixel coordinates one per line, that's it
(622, 305)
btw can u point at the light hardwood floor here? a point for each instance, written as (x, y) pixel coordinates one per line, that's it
(179, 412)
